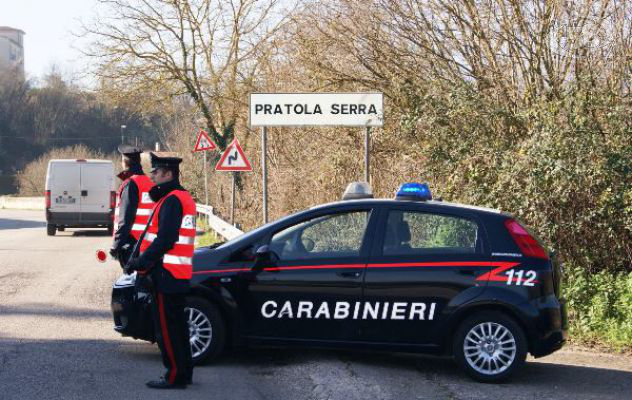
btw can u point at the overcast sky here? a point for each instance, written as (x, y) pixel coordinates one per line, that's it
(48, 25)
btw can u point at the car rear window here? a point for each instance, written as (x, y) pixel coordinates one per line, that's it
(411, 233)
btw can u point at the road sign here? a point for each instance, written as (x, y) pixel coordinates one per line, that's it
(233, 159)
(204, 142)
(316, 109)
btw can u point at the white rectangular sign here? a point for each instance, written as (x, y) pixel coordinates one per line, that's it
(316, 109)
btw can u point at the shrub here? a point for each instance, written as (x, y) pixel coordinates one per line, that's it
(600, 306)
(562, 165)
(32, 179)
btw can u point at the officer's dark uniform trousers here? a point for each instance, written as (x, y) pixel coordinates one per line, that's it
(168, 293)
(172, 335)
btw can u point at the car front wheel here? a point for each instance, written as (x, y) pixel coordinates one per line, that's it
(207, 330)
(490, 347)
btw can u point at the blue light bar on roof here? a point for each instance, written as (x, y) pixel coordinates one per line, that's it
(413, 191)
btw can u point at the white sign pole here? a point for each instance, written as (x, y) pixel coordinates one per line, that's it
(367, 142)
(205, 180)
(264, 171)
(232, 201)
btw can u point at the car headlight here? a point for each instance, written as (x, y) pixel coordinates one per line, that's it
(126, 280)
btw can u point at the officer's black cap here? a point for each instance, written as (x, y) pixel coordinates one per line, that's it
(167, 162)
(128, 150)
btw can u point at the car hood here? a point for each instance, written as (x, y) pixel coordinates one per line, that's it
(206, 258)
(203, 259)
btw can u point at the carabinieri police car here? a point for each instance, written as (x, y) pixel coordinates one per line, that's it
(409, 274)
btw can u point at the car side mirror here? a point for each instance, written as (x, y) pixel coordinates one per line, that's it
(264, 253)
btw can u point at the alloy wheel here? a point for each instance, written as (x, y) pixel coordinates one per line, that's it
(200, 331)
(489, 348)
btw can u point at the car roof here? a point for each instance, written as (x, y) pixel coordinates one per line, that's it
(83, 161)
(437, 205)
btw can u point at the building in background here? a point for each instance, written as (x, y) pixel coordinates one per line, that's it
(12, 49)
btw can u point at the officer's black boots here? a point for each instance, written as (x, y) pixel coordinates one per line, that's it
(162, 383)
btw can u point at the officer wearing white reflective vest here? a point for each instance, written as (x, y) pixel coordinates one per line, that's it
(133, 204)
(166, 254)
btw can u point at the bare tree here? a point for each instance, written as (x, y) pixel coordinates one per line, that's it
(519, 49)
(210, 50)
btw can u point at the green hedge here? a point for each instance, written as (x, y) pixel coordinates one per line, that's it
(600, 306)
(561, 164)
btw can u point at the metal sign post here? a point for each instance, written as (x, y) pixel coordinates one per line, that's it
(367, 142)
(204, 143)
(264, 171)
(234, 159)
(205, 180)
(232, 201)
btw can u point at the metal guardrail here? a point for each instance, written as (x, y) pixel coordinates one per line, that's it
(223, 228)
(22, 203)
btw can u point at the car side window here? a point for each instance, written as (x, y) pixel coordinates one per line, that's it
(334, 235)
(412, 233)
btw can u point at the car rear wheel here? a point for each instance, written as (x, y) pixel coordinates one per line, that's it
(50, 229)
(207, 330)
(490, 347)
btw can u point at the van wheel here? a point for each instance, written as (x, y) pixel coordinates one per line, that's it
(110, 230)
(207, 330)
(50, 229)
(490, 346)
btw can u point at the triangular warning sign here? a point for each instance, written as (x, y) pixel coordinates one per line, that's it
(233, 159)
(204, 142)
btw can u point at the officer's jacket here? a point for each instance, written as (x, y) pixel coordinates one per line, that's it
(167, 247)
(133, 206)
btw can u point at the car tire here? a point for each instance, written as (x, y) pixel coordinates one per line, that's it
(201, 315)
(490, 347)
(50, 229)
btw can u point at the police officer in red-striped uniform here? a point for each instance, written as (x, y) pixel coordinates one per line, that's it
(166, 253)
(133, 204)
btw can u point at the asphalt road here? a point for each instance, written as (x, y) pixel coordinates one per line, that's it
(57, 342)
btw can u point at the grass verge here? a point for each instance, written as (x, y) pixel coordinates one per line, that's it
(600, 308)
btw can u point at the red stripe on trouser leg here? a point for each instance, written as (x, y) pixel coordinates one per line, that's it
(166, 340)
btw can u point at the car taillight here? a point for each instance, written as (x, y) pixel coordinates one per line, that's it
(527, 243)
(112, 200)
(47, 198)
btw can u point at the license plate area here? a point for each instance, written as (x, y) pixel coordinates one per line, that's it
(65, 200)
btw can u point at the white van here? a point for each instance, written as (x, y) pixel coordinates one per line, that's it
(79, 194)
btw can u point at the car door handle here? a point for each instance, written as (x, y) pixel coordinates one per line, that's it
(352, 275)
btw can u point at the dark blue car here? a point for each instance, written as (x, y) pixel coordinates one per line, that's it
(405, 274)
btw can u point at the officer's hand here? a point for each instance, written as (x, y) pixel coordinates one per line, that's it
(114, 253)
(133, 265)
